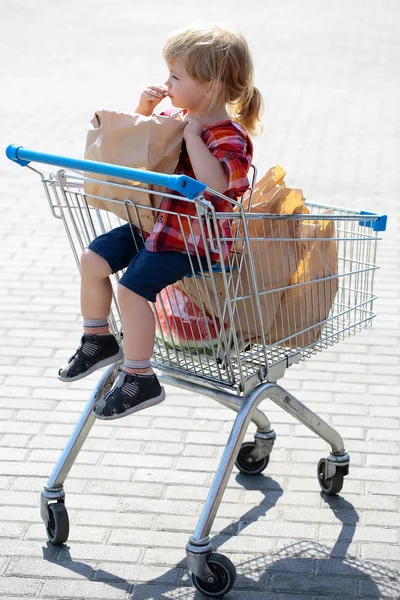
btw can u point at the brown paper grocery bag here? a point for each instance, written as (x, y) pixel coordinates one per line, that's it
(276, 253)
(307, 304)
(290, 258)
(149, 143)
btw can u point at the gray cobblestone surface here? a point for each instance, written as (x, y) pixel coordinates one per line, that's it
(329, 75)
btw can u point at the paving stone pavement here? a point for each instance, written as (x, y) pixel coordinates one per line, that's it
(327, 72)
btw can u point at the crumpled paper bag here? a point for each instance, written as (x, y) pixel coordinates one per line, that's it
(149, 143)
(275, 251)
(307, 303)
(286, 254)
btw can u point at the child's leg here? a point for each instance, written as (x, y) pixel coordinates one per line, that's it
(98, 347)
(139, 330)
(138, 387)
(107, 254)
(96, 292)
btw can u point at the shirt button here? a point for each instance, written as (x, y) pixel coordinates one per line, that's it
(161, 219)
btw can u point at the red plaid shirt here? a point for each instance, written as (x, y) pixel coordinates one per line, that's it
(231, 144)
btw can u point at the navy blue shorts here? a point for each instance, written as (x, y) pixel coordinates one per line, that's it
(147, 273)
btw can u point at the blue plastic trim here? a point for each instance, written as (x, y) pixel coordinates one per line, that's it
(377, 224)
(11, 153)
(188, 187)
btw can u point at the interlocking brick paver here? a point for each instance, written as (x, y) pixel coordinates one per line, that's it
(381, 552)
(28, 567)
(36, 484)
(91, 590)
(171, 477)
(124, 488)
(25, 586)
(100, 518)
(137, 573)
(12, 530)
(78, 533)
(314, 584)
(328, 72)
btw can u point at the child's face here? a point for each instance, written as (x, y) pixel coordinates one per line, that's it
(184, 91)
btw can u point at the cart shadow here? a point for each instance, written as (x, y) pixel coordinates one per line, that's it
(306, 567)
(62, 556)
(269, 487)
(314, 569)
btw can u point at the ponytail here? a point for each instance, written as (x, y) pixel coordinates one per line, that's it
(248, 109)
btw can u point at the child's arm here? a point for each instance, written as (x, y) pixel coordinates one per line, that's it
(149, 99)
(207, 168)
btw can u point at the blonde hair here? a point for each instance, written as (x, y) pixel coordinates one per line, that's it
(220, 55)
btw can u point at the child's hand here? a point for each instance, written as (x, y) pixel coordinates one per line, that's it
(149, 99)
(193, 127)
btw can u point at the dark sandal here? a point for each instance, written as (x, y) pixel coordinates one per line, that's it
(132, 393)
(95, 352)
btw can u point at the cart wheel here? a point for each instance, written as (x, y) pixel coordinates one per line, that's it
(224, 577)
(57, 528)
(246, 464)
(332, 485)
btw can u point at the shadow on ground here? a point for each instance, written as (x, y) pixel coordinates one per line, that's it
(308, 568)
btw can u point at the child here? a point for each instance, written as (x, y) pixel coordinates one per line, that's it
(211, 71)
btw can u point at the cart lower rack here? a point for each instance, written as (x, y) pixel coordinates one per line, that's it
(275, 290)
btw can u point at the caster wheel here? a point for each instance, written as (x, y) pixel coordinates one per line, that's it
(332, 485)
(224, 577)
(58, 526)
(246, 464)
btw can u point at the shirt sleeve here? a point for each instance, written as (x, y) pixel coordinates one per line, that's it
(235, 152)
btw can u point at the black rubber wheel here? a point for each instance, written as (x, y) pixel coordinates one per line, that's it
(244, 462)
(224, 573)
(57, 528)
(332, 485)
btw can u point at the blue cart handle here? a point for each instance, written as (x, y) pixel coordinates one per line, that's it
(188, 187)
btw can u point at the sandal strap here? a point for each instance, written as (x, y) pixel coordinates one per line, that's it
(93, 349)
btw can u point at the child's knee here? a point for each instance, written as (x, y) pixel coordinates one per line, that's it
(94, 265)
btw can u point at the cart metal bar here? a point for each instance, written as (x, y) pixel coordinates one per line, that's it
(227, 399)
(80, 433)
(188, 187)
(291, 405)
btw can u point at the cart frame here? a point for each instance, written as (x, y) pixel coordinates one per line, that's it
(243, 390)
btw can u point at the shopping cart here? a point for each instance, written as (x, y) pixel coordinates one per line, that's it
(239, 370)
